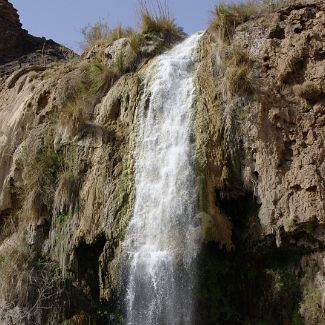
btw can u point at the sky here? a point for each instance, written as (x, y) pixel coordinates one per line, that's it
(62, 20)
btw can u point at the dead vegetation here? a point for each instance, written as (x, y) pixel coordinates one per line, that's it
(95, 79)
(226, 17)
(237, 78)
(40, 176)
(8, 226)
(100, 32)
(14, 261)
(47, 172)
(308, 90)
(157, 19)
(29, 284)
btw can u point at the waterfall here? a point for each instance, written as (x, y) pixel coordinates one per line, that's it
(161, 241)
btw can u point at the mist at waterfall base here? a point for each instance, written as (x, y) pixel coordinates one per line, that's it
(162, 239)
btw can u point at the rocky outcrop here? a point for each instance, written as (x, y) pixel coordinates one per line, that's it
(261, 123)
(10, 28)
(67, 136)
(18, 49)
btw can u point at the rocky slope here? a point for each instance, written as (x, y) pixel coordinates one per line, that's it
(19, 49)
(66, 181)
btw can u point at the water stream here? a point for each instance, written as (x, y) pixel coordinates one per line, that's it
(161, 240)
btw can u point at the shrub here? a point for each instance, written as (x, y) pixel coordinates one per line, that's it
(94, 33)
(100, 32)
(157, 19)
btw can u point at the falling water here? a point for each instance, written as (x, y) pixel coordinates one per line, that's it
(161, 239)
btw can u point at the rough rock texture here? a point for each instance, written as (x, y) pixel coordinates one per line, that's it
(67, 134)
(287, 148)
(10, 28)
(261, 141)
(65, 197)
(18, 49)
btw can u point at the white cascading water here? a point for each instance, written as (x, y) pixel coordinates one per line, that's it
(161, 241)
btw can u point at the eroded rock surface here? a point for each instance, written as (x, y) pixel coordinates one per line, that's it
(18, 49)
(66, 173)
(262, 151)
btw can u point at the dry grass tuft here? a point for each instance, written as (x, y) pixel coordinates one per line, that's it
(136, 41)
(40, 177)
(100, 32)
(23, 273)
(227, 17)
(93, 34)
(8, 226)
(15, 259)
(68, 186)
(157, 19)
(308, 90)
(238, 78)
(74, 115)
(95, 80)
(119, 32)
(49, 176)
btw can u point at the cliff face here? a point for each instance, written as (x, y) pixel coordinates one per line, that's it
(66, 173)
(261, 116)
(18, 49)
(10, 28)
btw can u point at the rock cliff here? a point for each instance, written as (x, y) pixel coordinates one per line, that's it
(67, 133)
(19, 49)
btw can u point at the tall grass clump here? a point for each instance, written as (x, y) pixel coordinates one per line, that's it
(65, 199)
(156, 19)
(92, 34)
(95, 80)
(238, 78)
(15, 260)
(226, 17)
(40, 177)
(100, 32)
(47, 172)
(136, 41)
(8, 226)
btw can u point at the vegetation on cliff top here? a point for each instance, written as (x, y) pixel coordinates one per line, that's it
(226, 17)
(155, 20)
